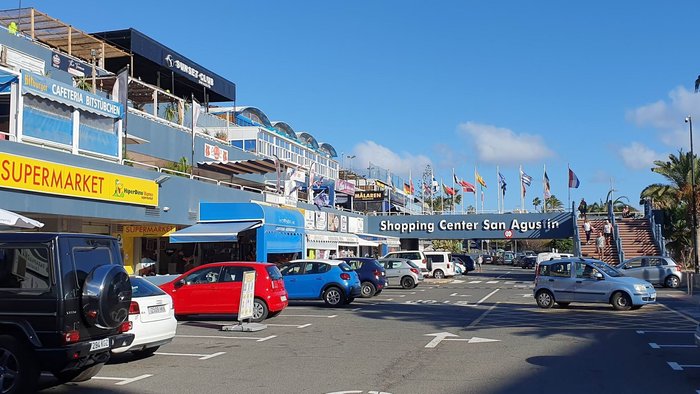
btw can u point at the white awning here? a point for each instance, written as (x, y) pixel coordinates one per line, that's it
(385, 239)
(364, 242)
(329, 240)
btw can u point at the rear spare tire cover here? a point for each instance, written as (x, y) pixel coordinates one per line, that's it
(106, 296)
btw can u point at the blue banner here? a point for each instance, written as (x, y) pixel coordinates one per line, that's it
(69, 95)
(557, 225)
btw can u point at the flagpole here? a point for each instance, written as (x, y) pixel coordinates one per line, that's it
(193, 134)
(544, 190)
(522, 192)
(476, 197)
(568, 182)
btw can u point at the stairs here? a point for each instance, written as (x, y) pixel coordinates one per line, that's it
(609, 252)
(636, 238)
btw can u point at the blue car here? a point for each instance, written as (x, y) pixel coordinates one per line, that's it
(332, 281)
(372, 274)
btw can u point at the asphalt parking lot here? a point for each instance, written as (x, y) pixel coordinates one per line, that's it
(480, 333)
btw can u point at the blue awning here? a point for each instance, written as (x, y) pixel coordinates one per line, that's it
(212, 232)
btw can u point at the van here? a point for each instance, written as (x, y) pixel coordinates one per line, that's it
(440, 264)
(416, 256)
(546, 256)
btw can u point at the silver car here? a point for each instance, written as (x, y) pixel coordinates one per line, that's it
(403, 272)
(657, 270)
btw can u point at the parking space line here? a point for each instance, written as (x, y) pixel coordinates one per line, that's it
(474, 281)
(482, 316)
(288, 325)
(226, 337)
(657, 346)
(326, 316)
(487, 296)
(680, 314)
(123, 381)
(200, 356)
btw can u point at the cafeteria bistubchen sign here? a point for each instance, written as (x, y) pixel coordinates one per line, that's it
(23, 173)
(556, 225)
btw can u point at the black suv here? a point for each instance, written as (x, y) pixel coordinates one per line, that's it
(64, 303)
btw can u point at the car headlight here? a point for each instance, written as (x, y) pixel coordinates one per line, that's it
(640, 288)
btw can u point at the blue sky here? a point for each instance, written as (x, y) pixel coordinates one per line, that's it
(603, 86)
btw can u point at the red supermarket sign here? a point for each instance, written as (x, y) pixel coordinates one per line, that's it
(215, 153)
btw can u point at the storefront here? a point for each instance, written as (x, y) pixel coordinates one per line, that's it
(145, 247)
(244, 232)
(378, 245)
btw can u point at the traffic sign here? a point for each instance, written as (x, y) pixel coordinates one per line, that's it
(508, 234)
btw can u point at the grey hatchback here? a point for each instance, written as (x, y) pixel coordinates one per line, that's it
(402, 271)
(586, 280)
(657, 270)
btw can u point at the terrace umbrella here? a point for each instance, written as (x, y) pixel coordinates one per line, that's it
(11, 219)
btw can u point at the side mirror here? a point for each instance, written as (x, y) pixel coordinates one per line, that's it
(599, 276)
(179, 283)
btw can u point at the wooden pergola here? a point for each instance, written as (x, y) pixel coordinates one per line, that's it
(59, 35)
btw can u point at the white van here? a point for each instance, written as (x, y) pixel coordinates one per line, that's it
(546, 256)
(416, 256)
(440, 264)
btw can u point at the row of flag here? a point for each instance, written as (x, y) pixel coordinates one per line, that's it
(525, 181)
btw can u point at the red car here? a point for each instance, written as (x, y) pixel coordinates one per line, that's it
(216, 289)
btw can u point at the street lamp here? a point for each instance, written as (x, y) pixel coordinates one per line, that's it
(689, 121)
(350, 157)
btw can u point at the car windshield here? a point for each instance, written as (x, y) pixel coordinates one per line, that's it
(345, 267)
(610, 271)
(143, 288)
(274, 273)
(412, 264)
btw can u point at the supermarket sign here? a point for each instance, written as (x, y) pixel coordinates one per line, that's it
(23, 173)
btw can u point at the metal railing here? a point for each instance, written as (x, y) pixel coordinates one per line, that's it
(616, 233)
(656, 229)
(577, 237)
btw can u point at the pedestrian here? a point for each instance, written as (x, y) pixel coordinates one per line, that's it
(479, 261)
(600, 245)
(583, 208)
(587, 229)
(607, 229)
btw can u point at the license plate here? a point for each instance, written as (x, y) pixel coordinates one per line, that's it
(99, 345)
(156, 309)
(283, 298)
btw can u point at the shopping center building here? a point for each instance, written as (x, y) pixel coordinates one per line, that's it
(116, 133)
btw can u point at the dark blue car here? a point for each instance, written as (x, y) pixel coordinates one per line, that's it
(372, 274)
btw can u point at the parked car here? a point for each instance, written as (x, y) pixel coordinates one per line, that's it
(528, 262)
(64, 305)
(440, 264)
(508, 258)
(403, 272)
(152, 318)
(215, 289)
(586, 280)
(460, 267)
(487, 259)
(372, 274)
(546, 256)
(468, 262)
(332, 281)
(657, 270)
(517, 259)
(417, 256)
(530, 253)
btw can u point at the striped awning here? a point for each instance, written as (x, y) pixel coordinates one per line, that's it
(259, 166)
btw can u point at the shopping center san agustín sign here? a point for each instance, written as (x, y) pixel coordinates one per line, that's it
(478, 226)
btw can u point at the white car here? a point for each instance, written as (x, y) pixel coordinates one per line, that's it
(152, 317)
(440, 264)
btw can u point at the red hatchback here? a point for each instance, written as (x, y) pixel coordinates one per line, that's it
(216, 289)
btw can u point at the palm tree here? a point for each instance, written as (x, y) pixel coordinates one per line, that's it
(675, 199)
(553, 204)
(536, 202)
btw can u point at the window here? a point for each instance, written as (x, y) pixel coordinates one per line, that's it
(249, 145)
(637, 263)
(274, 273)
(237, 143)
(205, 275)
(25, 268)
(354, 264)
(585, 271)
(436, 258)
(316, 268)
(143, 288)
(291, 269)
(562, 269)
(233, 274)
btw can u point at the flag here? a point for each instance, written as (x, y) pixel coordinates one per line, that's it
(436, 185)
(120, 88)
(322, 199)
(479, 179)
(448, 190)
(502, 182)
(407, 188)
(467, 187)
(410, 184)
(573, 180)
(390, 181)
(547, 192)
(426, 188)
(527, 179)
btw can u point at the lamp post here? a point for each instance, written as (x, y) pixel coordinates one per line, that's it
(689, 121)
(350, 157)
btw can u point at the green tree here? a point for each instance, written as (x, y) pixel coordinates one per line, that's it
(553, 204)
(448, 245)
(180, 166)
(536, 202)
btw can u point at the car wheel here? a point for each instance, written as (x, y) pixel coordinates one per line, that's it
(621, 301)
(333, 296)
(79, 375)
(106, 296)
(145, 352)
(18, 371)
(544, 299)
(260, 310)
(563, 304)
(672, 281)
(438, 274)
(407, 282)
(368, 290)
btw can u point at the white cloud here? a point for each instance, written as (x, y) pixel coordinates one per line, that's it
(668, 116)
(500, 145)
(399, 164)
(639, 157)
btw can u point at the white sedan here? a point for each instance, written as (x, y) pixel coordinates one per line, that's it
(152, 318)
